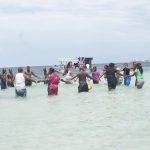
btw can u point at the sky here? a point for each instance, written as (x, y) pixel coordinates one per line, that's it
(39, 32)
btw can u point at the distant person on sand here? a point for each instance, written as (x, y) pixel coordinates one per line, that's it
(138, 73)
(111, 77)
(82, 76)
(3, 78)
(20, 83)
(53, 81)
(29, 73)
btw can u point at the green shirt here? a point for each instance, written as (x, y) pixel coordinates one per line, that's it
(138, 74)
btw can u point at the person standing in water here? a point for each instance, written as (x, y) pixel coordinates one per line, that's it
(119, 78)
(68, 73)
(82, 76)
(3, 78)
(68, 77)
(53, 81)
(45, 72)
(67, 68)
(104, 69)
(20, 88)
(126, 72)
(138, 73)
(29, 73)
(95, 75)
(111, 76)
(10, 78)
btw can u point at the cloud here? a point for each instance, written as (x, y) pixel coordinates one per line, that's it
(125, 14)
(130, 12)
(76, 6)
(74, 27)
(17, 7)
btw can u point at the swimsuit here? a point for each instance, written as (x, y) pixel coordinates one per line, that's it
(53, 84)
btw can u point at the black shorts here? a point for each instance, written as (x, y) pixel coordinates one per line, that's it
(21, 93)
(10, 83)
(3, 84)
(28, 82)
(95, 82)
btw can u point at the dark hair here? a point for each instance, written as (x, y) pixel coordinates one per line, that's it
(111, 65)
(4, 70)
(139, 66)
(28, 67)
(51, 70)
(20, 69)
(106, 66)
(69, 64)
(125, 64)
(10, 70)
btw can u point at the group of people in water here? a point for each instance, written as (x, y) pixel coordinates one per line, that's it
(19, 81)
(111, 73)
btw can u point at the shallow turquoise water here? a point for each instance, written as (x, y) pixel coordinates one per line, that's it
(98, 120)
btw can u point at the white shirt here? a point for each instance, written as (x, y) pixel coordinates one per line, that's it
(19, 81)
(69, 75)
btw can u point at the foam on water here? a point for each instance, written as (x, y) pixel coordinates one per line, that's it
(98, 120)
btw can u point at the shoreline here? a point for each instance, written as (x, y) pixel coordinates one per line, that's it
(36, 66)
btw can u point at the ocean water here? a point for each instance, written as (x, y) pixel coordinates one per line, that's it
(97, 120)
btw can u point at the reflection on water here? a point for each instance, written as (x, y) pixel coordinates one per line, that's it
(98, 120)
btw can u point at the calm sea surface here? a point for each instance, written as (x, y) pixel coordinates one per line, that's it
(97, 120)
